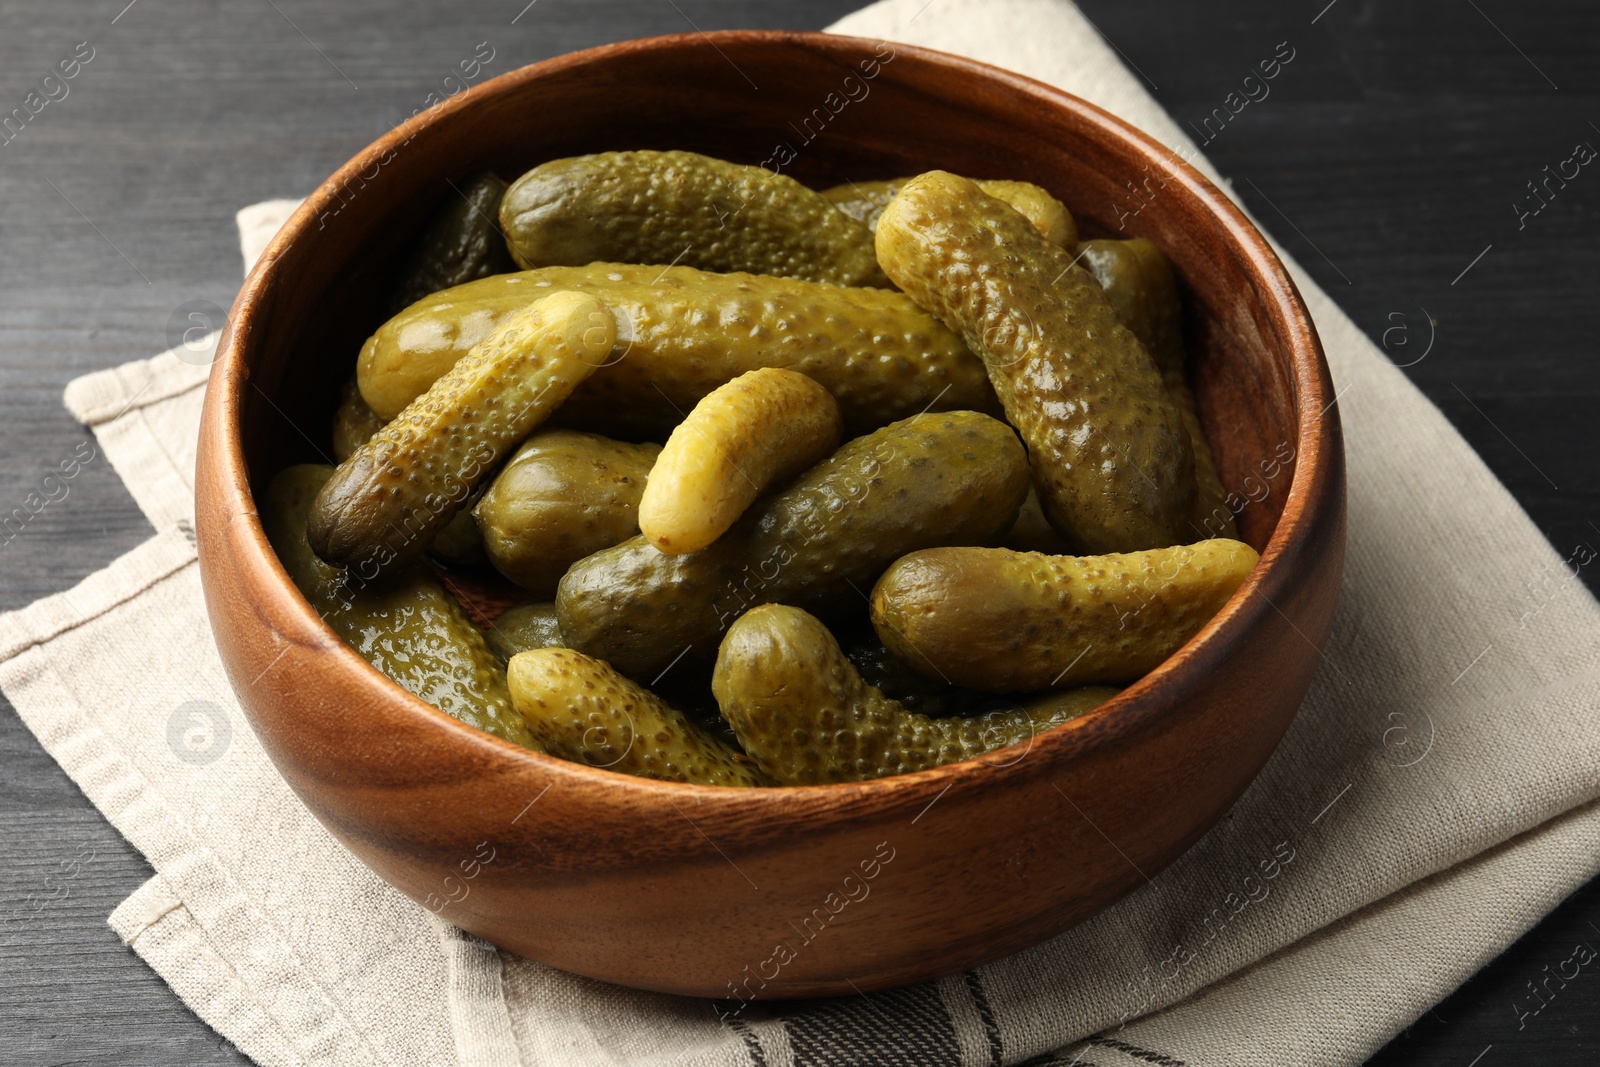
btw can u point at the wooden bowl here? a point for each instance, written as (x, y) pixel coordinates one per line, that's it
(795, 891)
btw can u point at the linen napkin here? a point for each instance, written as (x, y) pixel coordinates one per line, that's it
(1434, 798)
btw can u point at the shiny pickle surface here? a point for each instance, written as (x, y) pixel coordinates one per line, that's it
(385, 502)
(682, 207)
(523, 628)
(1004, 621)
(682, 332)
(461, 244)
(757, 430)
(561, 496)
(865, 201)
(404, 624)
(1138, 279)
(806, 717)
(1111, 456)
(819, 542)
(584, 711)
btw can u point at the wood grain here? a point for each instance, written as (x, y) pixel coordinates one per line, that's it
(1411, 129)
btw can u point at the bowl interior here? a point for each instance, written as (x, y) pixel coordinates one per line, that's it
(850, 110)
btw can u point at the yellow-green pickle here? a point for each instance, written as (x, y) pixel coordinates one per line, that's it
(762, 428)
(384, 504)
(1004, 621)
(865, 202)
(682, 207)
(525, 627)
(404, 624)
(682, 332)
(461, 244)
(1110, 453)
(561, 496)
(1137, 278)
(954, 478)
(806, 717)
(583, 710)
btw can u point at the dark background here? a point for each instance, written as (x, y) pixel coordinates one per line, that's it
(1389, 155)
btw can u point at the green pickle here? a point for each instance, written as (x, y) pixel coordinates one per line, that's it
(806, 716)
(1111, 457)
(385, 503)
(561, 496)
(820, 542)
(681, 207)
(683, 332)
(462, 243)
(404, 624)
(1138, 279)
(584, 711)
(1002, 621)
(525, 627)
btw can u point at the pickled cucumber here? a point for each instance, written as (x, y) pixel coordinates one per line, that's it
(682, 332)
(1138, 278)
(756, 430)
(561, 496)
(806, 717)
(458, 541)
(1004, 621)
(1111, 456)
(386, 501)
(680, 207)
(353, 424)
(524, 627)
(865, 201)
(404, 623)
(582, 710)
(462, 243)
(819, 543)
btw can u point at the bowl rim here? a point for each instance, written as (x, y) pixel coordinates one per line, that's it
(1317, 462)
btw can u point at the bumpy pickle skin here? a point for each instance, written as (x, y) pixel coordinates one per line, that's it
(523, 628)
(561, 496)
(865, 201)
(1003, 621)
(385, 502)
(404, 624)
(1111, 457)
(806, 717)
(461, 244)
(1138, 279)
(682, 332)
(582, 710)
(819, 542)
(681, 207)
(745, 436)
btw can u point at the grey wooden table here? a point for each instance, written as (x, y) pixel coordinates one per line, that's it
(1390, 158)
